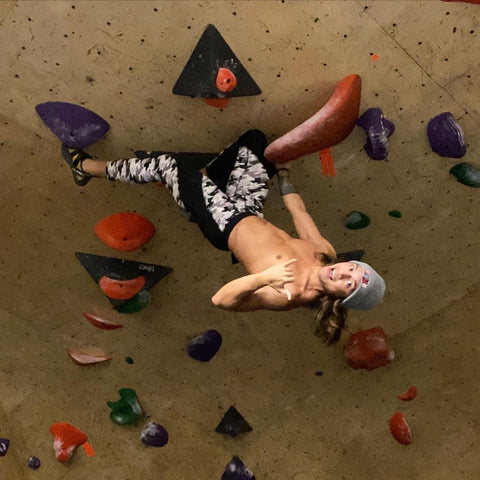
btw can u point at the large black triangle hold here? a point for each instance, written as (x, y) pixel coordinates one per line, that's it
(233, 423)
(120, 269)
(198, 78)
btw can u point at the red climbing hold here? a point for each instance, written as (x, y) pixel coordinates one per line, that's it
(217, 102)
(399, 429)
(328, 127)
(101, 322)
(66, 439)
(226, 80)
(125, 231)
(121, 289)
(368, 349)
(408, 395)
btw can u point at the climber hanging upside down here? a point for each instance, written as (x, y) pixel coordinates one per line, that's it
(226, 200)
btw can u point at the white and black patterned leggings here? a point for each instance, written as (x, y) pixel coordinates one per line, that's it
(236, 185)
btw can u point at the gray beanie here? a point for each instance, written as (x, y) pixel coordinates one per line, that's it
(370, 291)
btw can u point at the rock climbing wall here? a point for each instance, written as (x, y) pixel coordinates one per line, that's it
(311, 414)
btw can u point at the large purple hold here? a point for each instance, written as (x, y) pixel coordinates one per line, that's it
(204, 346)
(378, 129)
(446, 136)
(236, 470)
(154, 435)
(74, 125)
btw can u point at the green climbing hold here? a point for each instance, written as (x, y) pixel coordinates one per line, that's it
(128, 409)
(466, 174)
(136, 303)
(356, 220)
(129, 360)
(395, 213)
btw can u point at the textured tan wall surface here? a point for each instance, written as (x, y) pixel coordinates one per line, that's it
(121, 59)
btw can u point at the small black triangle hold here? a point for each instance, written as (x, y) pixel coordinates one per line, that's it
(233, 423)
(200, 74)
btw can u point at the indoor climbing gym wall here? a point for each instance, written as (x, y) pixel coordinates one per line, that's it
(114, 361)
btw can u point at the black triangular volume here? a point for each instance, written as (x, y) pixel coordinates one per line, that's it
(351, 255)
(198, 78)
(233, 423)
(119, 269)
(193, 161)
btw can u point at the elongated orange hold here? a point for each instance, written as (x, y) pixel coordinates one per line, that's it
(226, 81)
(66, 439)
(100, 322)
(82, 357)
(125, 231)
(400, 429)
(121, 289)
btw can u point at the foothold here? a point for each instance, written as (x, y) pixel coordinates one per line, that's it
(82, 357)
(74, 125)
(154, 435)
(400, 429)
(34, 463)
(378, 129)
(233, 423)
(356, 220)
(368, 349)
(127, 410)
(236, 470)
(466, 174)
(395, 213)
(446, 137)
(98, 266)
(410, 394)
(121, 289)
(4, 444)
(129, 360)
(204, 347)
(328, 127)
(125, 231)
(66, 439)
(135, 304)
(318, 373)
(226, 81)
(101, 322)
(204, 74)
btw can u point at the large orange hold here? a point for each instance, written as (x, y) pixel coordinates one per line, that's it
(121, 289)
(67, 439)
(328, 127)
(125, 231)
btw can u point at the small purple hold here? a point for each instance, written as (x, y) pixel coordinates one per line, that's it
(154, 435)
(236, 470)
(34, 463)
(378, 129)
(204, 347)
(446, 136)
(74, 125)
(4, 444)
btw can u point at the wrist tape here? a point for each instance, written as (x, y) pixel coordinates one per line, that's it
(285, 185)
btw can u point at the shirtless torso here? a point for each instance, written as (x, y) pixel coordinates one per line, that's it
(259, 245)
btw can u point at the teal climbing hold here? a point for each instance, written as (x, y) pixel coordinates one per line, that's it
(356, 220)
(466, 174)
(395, 213)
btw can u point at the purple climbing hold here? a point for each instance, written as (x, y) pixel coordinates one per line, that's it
(4, 444)
(378, 129)
(236, 470)
(154, 435)
(34, 463)
(74, 125)
(204, 347)
(446, 136)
